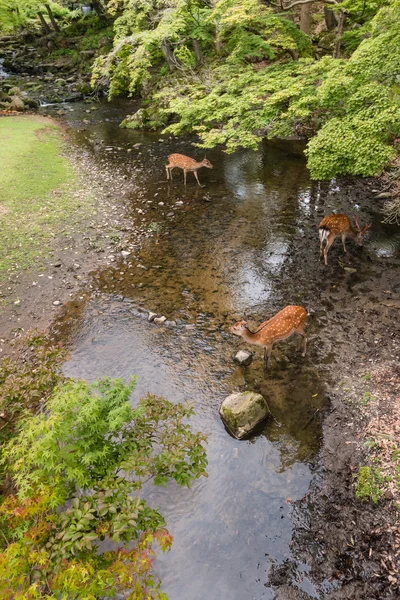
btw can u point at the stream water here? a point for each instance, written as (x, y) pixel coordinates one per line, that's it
(213, 252)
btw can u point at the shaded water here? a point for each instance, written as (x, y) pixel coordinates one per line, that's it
(213, 252)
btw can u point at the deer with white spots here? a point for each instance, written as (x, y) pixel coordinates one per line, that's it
(334, 225)
(189, 165)
(285, 323)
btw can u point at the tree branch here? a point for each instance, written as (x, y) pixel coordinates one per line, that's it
(300, 2)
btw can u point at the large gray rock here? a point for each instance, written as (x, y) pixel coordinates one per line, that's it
(242, 411)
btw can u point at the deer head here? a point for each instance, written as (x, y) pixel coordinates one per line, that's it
(361, 231)
(206, 163)
(240, 327)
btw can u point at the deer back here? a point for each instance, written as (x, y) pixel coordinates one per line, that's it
(337, 224)
(282, 324)
(182, 161)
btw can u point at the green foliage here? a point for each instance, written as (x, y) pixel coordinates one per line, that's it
(370, 484)
(27, 379)
(250, 31)
(15, 14)
(78, 468)
(366, 115)
(247, 31)
(248, 86)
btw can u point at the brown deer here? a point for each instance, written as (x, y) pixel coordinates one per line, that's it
(289, 320)
(334, 225)
(186, 163)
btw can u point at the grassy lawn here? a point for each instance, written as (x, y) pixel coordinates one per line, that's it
(39, 197)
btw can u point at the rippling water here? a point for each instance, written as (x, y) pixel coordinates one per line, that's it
(224, 248)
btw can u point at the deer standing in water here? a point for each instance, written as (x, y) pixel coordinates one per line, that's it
(334, 225)
(285, 323)
(186, 163)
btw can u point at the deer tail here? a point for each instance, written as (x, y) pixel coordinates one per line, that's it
(323, 234)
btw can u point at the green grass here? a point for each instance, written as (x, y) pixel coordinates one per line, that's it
(38, 191)
(370, 484)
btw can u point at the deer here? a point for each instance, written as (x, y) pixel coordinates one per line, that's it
(186, 163)
(281, 326)
(334, 225)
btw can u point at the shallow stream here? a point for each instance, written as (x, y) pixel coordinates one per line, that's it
(246, 240)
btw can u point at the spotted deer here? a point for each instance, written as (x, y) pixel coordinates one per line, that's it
(186, 163)
(285, 323)
(334, 225)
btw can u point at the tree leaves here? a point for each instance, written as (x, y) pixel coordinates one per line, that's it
(78, 468)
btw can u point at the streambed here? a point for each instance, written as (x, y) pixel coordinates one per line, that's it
(247, 240)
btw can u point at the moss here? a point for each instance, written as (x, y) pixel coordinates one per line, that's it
(370, 484)
(230, 418)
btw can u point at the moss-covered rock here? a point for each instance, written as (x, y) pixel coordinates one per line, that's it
(144, 119)
(243, 411)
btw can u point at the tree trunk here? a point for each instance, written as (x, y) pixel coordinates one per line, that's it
(305, 18)
(342, 18)
(293, 53)
(330, 18)
(52, 19)
(169, 56)
(198, 52)
(98, 7)
(46, 28)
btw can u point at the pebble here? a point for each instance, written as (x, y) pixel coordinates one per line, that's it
(151, 316)
(243, 357)
(56, 303)
(125, 253)
(160, 319)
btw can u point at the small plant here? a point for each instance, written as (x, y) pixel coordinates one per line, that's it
(367, 377)
(369, 485)
(367, 397)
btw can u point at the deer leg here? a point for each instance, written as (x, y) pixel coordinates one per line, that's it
(167, 169)
(329, 242)
(195, 174)
(184, 175)
(344, 241)
(267, 354)
(302, 340)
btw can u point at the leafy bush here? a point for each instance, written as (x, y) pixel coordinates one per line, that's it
(78, 469)
(27, 379)
(248, 87)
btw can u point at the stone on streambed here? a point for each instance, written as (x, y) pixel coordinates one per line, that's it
(243, 357)
(243, 411)
(160, 320)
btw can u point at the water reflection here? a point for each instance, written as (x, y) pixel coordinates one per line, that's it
(216, 251)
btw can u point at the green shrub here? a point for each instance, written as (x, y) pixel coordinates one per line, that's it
(78, 468)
